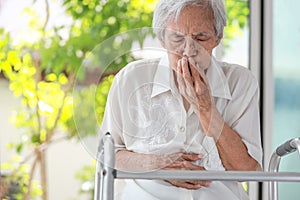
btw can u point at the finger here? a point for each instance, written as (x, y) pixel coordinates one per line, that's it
(192, 157)
(201, 88)
(202, 183)
(198, 71)
(190, 166)
(186, 71)
(184, 184)
(179, 67)
(180, 157)
(183, 165)
(198, 81)
(199, 78)
(202, 75)
(179, 77)
(194, 70)
(189, 78)
(184, 79)
(175, 166)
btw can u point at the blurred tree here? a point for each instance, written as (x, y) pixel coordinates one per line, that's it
(42, 74)
(237, 18)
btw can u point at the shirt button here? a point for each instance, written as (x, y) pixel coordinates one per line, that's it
(182, 129)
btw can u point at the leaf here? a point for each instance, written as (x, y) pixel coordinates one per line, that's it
(35, 139)
(6, 67)
(20, 147)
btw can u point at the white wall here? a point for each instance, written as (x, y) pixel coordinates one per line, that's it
(64, 158)
(7, 131)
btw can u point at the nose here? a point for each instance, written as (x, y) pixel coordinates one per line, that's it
(190, 48)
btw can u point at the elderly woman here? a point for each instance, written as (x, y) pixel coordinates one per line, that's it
(185, 111)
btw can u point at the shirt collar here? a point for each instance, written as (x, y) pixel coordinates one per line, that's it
(164, 79)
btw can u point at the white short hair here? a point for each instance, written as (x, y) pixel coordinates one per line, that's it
(166, 9)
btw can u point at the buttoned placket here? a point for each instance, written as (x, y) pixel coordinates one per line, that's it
(182, 126)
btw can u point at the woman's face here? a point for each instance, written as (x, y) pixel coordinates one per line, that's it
(192, 35)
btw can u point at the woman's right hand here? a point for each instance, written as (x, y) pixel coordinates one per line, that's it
(182, 161)
(128, 160)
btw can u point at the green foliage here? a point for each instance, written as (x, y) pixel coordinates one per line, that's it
(101, 96)
(16, 183)
(237, 18)
(46, 104)
(41, 73)
(94, 22)
(90, 101)
(86, 175)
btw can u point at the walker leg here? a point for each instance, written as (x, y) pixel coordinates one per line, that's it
(105, 173)
(273, 167)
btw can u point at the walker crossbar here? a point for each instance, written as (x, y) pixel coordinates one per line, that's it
(105, 172)
(212, 175)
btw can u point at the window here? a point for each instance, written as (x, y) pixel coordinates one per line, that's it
(286, 67)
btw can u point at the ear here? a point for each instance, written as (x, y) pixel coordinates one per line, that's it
(219, 39)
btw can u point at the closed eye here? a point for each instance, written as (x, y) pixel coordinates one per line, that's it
(177, 38)
(201, 37)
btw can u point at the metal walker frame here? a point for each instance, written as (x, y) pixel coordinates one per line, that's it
(105, 172)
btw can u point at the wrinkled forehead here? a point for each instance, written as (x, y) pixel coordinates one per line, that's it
(191, 19)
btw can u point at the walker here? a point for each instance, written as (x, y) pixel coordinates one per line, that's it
(106, 174)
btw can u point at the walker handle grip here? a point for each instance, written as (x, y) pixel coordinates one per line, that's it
(285, 148)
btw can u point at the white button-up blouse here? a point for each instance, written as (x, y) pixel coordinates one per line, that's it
(145, 114)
